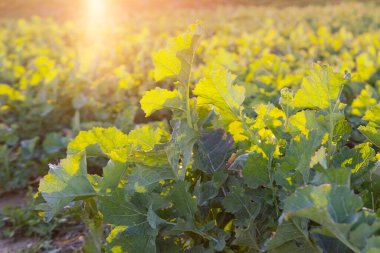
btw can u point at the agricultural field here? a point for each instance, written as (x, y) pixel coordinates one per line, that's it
(230, 128)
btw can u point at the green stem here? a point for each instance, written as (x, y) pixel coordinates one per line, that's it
(331, 127)
(188, 107)
(331, 133)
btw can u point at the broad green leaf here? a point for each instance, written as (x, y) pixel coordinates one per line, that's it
(342, 130)
(211, 151)
(217, 89)
(333, 207)
(247, 236)
(53, 143)
(158, 98)
(206, 190)
(256, 172)
(120, 211)
(180, 147)
(340, 176)
(357, 159)
(113, 173)
(142, 177)
(299, 246)
(66, 182)
(290, 237)
(242, 204)
(331, 244)
(362, 232)
(153, 219)
(298, 156)
(373, 245)
(184, 204)
(140, 238)
(28, 147)
(321, 89)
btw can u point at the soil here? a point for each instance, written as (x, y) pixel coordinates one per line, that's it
(12, 199)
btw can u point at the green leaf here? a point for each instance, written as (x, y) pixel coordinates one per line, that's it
(242, 204)
(217, 89)
(211, 151)
(373, 245)
(371, 133)
(119, 210)
(113, 173)
(299, 246)
(142, 177)
(373, 115)
(184, 204)
(319, 157)
(333, 207)
(304, 122)
(290, 237)
(367, 227)
(28, 147)
(298, 156)
(158, 98)
(339, 176)
(141, 238)
(357, 159)
(321, 89)
(342, 130)
(53, 143)
(66, 182)
(153, 218)
(256, 172)
(180, 147)
(205, 191)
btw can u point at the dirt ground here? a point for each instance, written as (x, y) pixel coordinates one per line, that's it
(12, 245)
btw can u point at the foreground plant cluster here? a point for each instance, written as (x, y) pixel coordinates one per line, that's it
(257, 150)
(225, 178)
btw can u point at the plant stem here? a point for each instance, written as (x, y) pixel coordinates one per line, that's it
(188, 107)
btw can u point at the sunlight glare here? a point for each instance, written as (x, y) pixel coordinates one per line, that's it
(96, 14)
(96, 22)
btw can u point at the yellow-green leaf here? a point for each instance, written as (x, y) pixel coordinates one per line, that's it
(169, 62)
(11, 93)
(65, 182)
(158, 98)
(217, 89)
(321, 89)
(111, 141)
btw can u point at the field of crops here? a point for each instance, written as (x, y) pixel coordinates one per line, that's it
(224, 129)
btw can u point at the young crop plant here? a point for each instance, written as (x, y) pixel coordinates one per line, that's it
(287, 179)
